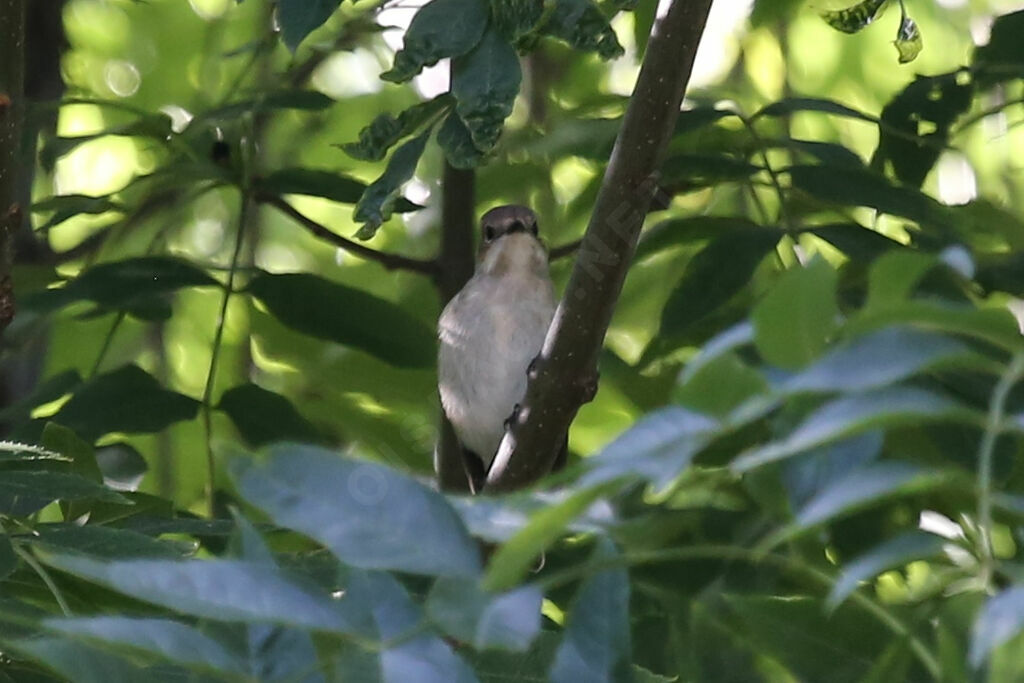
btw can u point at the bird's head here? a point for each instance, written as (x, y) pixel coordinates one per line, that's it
(509, 242)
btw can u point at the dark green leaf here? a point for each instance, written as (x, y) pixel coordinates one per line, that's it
(856, 414)
(107, 542)
(155, 126)
(440, 29)
(348, 316)
(826, 152)
(8, 560)
(313, 182)
(368, 515)
(213, 589)
(509, 621)
(1001, 619)
(303, 100)
(720, 386)
(513, 19)
(857, 242)
(679, 231)
(127, 400)
(994, 325)
(497, 666)
(455, 140)
(139, 286)
(387, 130)
(70, 205)
(808, 473)
(299, 18)
(596, 645)
(46, 391)
(263, 417)
(163, 638)
(792, 105)
(485, 83)
(716, 274)
(23, 492)
(83, 664)
(880, 358)
(688, 172)
(66, 442)
(896, 552)
(853, 19)
(1002, 55)
(378, 200)
(582, 24)
(794, 321)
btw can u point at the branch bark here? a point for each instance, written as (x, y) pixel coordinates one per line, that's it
(455, 263)
(389, 261)
(565, 374)
(12, 108)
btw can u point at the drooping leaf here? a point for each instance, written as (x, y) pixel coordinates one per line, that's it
(908, 40)
(213, 589)
(485, 83)
(508, 621)
(582, 24)
(440, 29)
(457, 143)
(127, 400)
(378, 200)
(263, 417)
(139, 286)
(299, 18)
(794, 321)
(386, 130)
(596, 645)
(716, 274)
(1001, 619)
(856, 414)
(854, 18)
(368, 515)
(165, 639)
(792, 105)
(348, 316)
(513, 19)
(896, 552)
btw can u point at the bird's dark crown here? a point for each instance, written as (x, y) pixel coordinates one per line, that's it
(503, 220)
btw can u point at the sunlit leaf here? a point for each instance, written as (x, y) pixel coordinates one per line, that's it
(854, 18)
(387, 129)
(378, 200)
(369, 516)
(345, 315)
(908, 40)
(70, 205)
(896, 552)
(299, 18)
(440, 29)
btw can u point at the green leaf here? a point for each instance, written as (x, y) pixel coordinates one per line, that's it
(70, 205)
(127, 400)
(794, 321)
(514, 19)
(485, 83)
(857, 242)
(156, 126)
(378, 200)
(511, 561)
(23, 492)
(896, 552)
(139, 286)
(8, 560)
(107, 542)
(299, 18)
(440, 29)
(302, 100)
(314, 183)
(1001, 57)
(1001, 619)
(860, 187)
(263, 417)
(386, 130)
(46, 391)
(457, 143)
(368, 515)
(348, 316)
(908, 40)
(64, 441)
(793, 105)
(720, 386)
(582, 24)
(679, 231)
(994, 325)
(716, 274)
(853, 19)
(163, 638)
(880, 358)
(509, 621)
(808, 473)
(855, 414)
(213, 589)
(596, 645)
(83, 664)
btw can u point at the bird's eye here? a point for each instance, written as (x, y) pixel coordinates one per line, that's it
(489, 233)
(533, 228)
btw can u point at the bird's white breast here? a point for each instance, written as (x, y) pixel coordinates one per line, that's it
(489, 333)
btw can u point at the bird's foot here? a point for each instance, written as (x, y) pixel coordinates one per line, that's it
(588, 386)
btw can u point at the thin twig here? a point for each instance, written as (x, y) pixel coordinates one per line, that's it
(389, 261)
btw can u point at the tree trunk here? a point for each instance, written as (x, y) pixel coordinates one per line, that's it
(12, 110)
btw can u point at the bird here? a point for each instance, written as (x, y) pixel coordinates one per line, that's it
(490, 333)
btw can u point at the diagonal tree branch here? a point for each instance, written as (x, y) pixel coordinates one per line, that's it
(389, 261)
(565, 374)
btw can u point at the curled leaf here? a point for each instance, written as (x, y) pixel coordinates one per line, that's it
(853, 19)
(908, 40)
